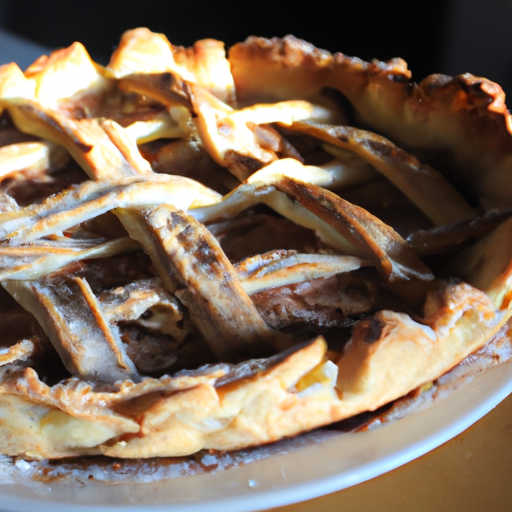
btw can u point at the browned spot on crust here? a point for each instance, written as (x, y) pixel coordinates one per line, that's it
(373, 330)
(242, 166)
(164, 87)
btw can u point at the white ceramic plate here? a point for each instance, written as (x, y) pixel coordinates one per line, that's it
(312, 470)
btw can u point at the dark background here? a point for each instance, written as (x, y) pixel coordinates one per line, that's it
(450, 36)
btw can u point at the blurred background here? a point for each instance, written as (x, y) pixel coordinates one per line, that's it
(448, 36)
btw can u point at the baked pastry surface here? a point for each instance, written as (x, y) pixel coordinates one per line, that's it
(201, 251)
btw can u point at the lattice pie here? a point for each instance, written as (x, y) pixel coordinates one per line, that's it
(210, 252)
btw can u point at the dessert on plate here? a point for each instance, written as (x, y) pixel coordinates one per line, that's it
(210, 251)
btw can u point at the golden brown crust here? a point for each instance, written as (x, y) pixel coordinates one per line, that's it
(262, 115)
(464, 116)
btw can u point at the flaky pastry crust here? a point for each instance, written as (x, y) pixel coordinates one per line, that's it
(146, 336)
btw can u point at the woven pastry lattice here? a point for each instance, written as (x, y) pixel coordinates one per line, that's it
(210, 252)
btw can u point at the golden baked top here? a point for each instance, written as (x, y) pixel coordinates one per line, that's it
(210, 252)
